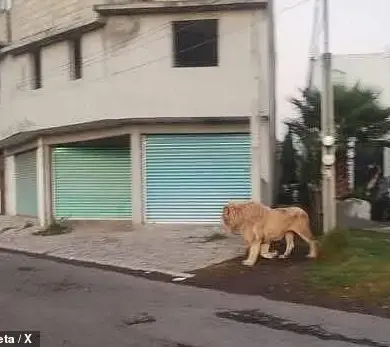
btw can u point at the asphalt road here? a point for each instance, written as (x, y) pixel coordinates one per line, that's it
(76, 306)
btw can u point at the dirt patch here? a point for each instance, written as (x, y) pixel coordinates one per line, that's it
(214, 237)
(55, 228)
(64, 286)
(281, 280)
(141, 318)
(26, 268)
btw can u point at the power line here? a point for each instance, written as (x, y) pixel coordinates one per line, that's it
(136, 67)
(94, 58)
(293, 6)
(103, 53)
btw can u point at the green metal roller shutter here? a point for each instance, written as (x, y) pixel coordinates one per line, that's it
(92, 183)
(26, 183)
(188, 178)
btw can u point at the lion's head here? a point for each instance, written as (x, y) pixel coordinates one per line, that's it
(235, 215)
(231, 218)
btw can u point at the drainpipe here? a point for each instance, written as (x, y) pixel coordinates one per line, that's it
(8, 26)
(8, 20)
(273, 189)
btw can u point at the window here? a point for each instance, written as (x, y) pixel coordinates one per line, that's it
(195, 43)
(76, 59)
(37, 69)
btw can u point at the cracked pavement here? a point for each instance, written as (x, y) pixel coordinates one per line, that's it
(80, 307)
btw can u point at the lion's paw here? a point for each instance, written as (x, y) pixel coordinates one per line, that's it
(270, 255)
(311, 256)
(283, 256)
(247, 262)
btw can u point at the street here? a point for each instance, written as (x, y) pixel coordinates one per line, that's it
(80, 307)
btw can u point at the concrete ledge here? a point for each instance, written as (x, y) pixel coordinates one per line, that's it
(52, 36)
(112, 125)
(169, 7)
(148, 273)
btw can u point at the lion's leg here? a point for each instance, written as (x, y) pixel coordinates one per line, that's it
(265, 253)
(289, 245)
(313, 253)
(253, 255)
(224, 227)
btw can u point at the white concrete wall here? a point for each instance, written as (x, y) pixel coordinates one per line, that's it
(128, 74)
(10, 193)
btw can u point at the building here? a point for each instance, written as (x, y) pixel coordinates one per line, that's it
(136, 110)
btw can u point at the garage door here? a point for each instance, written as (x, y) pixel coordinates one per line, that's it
(91, 183)
(26, 183)
(188, 178)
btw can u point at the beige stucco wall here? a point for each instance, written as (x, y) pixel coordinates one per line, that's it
(128, 74)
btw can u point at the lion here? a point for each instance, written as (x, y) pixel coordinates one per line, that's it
(261, 225)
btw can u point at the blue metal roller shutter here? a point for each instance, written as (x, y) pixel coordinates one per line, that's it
(189, 177)
(26, 183)
(92, 183)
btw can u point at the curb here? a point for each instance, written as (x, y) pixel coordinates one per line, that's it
(148, 273)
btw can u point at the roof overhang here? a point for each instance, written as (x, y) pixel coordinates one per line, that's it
(24, 137)
(52, 36)
(168, 7)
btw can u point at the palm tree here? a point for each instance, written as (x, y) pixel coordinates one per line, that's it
(358, 114)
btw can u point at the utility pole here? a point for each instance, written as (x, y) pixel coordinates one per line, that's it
(328, 132)
(273, 184)
(313, 52)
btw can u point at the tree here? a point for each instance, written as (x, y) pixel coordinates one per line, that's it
(288, 160)
(289, 170)
(358, 113)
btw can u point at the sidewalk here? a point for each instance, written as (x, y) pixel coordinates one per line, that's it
(172, 250)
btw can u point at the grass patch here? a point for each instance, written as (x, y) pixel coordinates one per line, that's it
(353, 264)
(55, 228)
